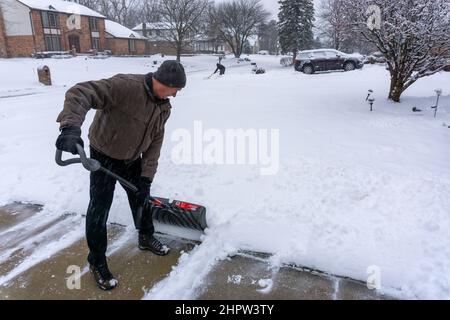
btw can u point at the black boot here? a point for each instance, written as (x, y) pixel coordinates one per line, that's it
(105, 280)
(149, 242)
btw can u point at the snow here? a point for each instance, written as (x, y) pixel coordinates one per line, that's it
(39, 247)
(266, 285)
(119, 31)
(351, 55)
(355, 190)
(61, 6)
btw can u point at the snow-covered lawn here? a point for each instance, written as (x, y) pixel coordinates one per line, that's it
(357, 192)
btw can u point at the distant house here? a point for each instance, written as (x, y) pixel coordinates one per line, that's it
(253, 42)
(154, 31)
(158, 35)
(123, 41)
(203, 44)
(29, 26)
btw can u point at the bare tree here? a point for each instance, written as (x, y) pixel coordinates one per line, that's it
(413, 36)
(126, 12)
(335, 27)
(237, 20)
(93, 4)
(121, 11)
(182, 19)
(148, 11)
(268, 36)
(334, 22)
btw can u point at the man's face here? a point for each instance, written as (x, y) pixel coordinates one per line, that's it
(162, 91)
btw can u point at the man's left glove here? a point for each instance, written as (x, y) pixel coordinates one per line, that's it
(143, 193)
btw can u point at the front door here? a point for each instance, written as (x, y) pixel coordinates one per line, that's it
(74, 42)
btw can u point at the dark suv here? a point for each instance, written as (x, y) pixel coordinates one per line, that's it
(311, 61)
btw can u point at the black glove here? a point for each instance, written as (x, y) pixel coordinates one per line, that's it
(69, 137)
(143, 193)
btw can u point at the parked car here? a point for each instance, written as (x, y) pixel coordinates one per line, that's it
(310, 61)
(263, 52)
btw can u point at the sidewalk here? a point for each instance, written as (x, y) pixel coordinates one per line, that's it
(244, 276)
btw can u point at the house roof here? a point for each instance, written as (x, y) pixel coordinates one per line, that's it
(119, 31)
(152, 26)
(61, 6)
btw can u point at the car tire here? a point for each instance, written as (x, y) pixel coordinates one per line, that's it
(308, 69)
(349, 66)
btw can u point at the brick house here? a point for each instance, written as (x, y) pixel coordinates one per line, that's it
(158, 33)
(123, 41)
(28, 26)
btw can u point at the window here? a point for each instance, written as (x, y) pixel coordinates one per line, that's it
(132, 45)
(96, 44)
(93, 24)
(49, 19)
(305, 56)
(52, 43)
(331, 54)
(319, 54)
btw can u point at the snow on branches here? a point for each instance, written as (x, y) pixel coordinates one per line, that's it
(413, 35)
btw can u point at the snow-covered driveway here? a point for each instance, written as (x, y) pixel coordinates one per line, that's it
(355, 193)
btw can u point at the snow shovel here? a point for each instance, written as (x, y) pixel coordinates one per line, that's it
(178, 213)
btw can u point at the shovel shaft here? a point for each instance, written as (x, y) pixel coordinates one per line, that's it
(161, 211)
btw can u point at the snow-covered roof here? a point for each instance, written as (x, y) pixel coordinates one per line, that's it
(119, 31)
(153, 26)
(61, 6)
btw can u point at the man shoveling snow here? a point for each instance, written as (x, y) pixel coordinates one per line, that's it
(126, 136)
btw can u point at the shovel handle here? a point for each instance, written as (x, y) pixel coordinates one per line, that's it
(94, 165)
(88, 163)
(67, 162)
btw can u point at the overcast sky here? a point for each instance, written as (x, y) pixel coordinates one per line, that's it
(272, 6)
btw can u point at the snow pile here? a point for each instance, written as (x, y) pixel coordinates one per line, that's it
(355, 190)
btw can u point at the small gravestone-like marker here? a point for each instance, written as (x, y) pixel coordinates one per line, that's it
(44, 75)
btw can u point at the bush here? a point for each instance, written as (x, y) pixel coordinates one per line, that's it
(287, 61)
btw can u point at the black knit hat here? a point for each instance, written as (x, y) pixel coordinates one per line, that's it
(171, 73)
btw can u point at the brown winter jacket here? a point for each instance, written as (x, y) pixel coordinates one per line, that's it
(129, 121)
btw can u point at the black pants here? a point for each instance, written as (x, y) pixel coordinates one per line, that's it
(101, 195)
